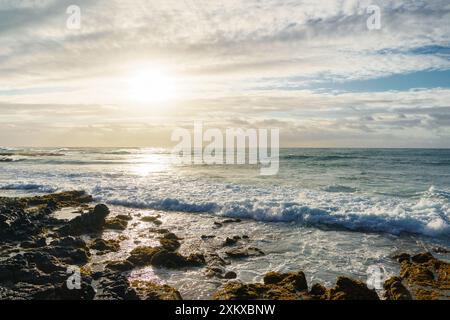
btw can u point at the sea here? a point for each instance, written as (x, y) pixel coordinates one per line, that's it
(328, 212)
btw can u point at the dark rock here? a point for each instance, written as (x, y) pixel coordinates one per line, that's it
(174, 260)
(116, 224)
(297, 280)
(124, 217)
(242, 252)
(349, 289)
(422, 257)
(230, 275)
(105, 246)
(317, 290)
(120, 266)
(402, 257)
(91, 222)
(395, 290)
(230, 241)
(441, 250)
(151, 291)
(142, 256)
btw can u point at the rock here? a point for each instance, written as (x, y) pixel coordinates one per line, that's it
(174, 260)
(115, 286)
(104, 246)
(230, 242)
(317, 290)
(86, 292)
(205, 237)
(441, 250)
(142, 256)
(295, 279)
(217, 224)
(116, 224)
(230, 275)
(169, 244)
(120, 266)
(231, 221)
(395, 290)
(234, 290)
(242, 252)
(402, 257)
(158, 230)
(277, 286)
(422, 257)
(349, 289)
(91, 222)
(150, 291)
(124, 217)
(426, 277)
(153, 219)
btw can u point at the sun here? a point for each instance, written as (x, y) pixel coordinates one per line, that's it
(151, 84)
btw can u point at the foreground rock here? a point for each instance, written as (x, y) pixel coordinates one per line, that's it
(293, 286)
(422, 277)
(90, 222)
(161, 257)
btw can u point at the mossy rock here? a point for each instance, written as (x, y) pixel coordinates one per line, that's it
(142, 256)
(150, 291)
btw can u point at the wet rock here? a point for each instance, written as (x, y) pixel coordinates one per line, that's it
(84, 292)
(169, 244)
(217, 225)
(402, 257)
(426, 277)
(295, 279)
(174, 260)
(349, 289)
(142, 256)
(153, 219)
(276, 286)
(230, 241)
(422, 257)
(230, 275)
(150, 291)
(441, 250)
(317, 290)
(120, 266)
(105, 246)
(116, 224)
(231, 221)
(395, 290)
(242, 252)
(115, 286)
(158, 230)
(205, 237)
(90, 222)
(124, 217)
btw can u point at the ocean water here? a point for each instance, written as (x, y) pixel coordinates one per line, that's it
(329, 211)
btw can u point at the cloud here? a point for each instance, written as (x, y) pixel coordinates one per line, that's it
(236, 63)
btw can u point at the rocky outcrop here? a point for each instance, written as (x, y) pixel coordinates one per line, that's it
(422, 277)
(90, 222)
(276, 286)
(350, 289)
(105, 246)
(293, 286)
(147, 290)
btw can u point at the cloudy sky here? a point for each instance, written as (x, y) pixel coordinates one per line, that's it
(135, 70)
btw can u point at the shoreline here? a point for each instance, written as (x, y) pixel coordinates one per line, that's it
(37, 249)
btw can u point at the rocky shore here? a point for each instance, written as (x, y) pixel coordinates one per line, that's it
(39, 251)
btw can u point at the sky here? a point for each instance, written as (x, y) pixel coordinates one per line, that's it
(135, 70)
